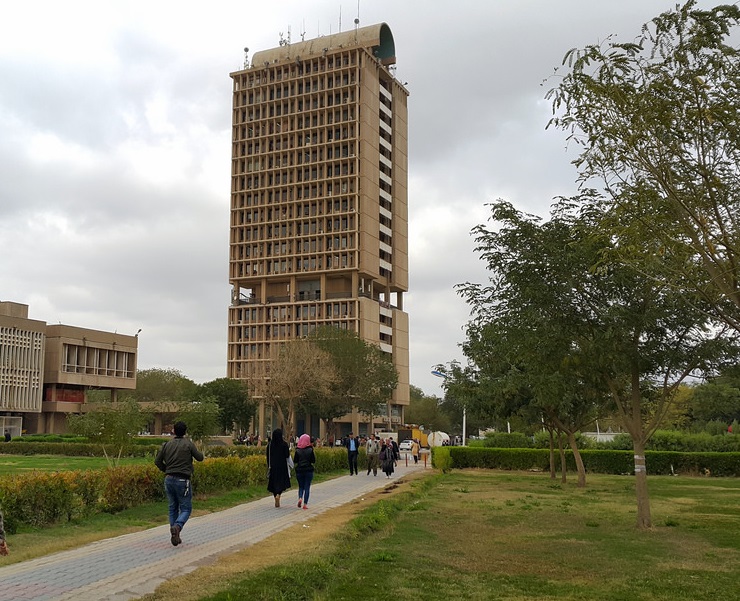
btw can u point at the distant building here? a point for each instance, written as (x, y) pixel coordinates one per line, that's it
(319, 207)
(46, 370)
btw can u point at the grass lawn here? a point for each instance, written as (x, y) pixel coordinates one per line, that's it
(473, 535)
(487, 535)
(17, 464)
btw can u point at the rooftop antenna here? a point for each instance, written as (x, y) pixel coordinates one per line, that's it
(285, 41)
(246, 57)
(357, 19)
(303, 33)
(340, 18)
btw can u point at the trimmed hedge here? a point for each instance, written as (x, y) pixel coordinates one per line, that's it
(594, 460)
(73, 449)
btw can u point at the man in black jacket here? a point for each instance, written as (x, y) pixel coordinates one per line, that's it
(175, 459)
(353, 449)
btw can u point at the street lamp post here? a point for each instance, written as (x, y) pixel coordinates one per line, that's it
(440, 374)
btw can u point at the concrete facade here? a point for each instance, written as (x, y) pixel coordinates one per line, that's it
(46, 370)
(319, 206)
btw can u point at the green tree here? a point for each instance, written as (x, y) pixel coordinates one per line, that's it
(578, 326)
(110, 425)
(718, 399)
(656, 122)
(425, 411)
(235, 407)
(467, 392)
(381, 379)
(365, 375)
(201, 416)
(162, 386)
(524, 332)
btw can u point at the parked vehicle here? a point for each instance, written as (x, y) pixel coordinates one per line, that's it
(413, 433)
(405, 445)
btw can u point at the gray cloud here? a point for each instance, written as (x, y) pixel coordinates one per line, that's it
(115, 150)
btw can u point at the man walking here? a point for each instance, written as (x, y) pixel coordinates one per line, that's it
(175, 459)
(372, 448)
(353, 448)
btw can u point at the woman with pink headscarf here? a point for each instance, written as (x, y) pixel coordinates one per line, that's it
(304, 459)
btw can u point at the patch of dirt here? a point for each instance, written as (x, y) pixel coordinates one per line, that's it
(315, 539)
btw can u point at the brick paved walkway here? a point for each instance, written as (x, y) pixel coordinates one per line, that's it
(130, 566)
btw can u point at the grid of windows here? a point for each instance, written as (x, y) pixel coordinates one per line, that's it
(97, 361)
(312, 207)
(21, 369)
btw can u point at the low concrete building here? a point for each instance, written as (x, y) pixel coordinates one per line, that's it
(46, 370)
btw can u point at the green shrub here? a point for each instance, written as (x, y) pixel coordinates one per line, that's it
(36, 499)
(41, 498)
(542, 441)
(18, 446)
(622, 442)
(596, 461)
(52, 438)
(506, 440)
(441, 458)
(129, 486)
(716, 427)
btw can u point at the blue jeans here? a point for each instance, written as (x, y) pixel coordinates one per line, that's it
(180, 497)
(304, 485)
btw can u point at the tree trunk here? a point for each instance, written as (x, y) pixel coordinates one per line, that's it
(579, 460)
(644, 520)
(552, 454)
(563, 465)
(281, 418)
(289, 426)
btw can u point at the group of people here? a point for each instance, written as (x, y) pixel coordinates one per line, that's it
(381, 453)
(175, 459)
(280, 462)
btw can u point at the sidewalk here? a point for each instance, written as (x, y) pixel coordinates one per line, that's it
(133, 565)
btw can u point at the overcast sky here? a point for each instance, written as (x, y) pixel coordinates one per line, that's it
(115, 151)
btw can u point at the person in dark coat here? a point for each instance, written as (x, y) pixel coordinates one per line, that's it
(387, 458)
(278, 453)
(396, 451)
(304, 459)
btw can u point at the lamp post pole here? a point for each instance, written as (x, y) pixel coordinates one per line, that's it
(439, 374)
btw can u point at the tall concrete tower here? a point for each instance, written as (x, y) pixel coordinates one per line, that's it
(319, 205)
